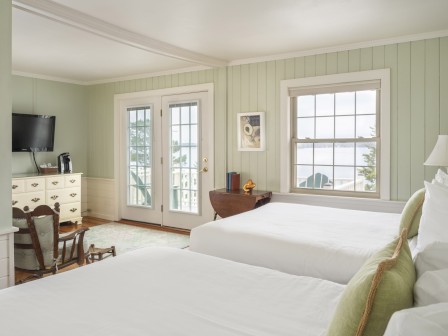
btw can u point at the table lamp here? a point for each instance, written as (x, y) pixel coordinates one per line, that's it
(439, 155)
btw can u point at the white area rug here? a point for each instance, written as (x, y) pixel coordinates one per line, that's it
(126, 238)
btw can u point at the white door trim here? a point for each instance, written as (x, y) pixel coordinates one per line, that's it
(120, 99)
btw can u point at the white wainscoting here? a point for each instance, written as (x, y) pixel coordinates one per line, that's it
(100, 197)
(7, 257)
(341, 202)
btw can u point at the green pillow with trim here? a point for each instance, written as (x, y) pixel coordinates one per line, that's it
(412, 213)
(382, 286)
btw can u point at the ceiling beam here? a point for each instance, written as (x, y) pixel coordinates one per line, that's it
(71, 17)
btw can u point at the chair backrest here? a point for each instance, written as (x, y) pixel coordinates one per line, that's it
(36, 242)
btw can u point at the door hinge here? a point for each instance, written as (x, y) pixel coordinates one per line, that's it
(161, 160)
(161, 112)
(161, 208)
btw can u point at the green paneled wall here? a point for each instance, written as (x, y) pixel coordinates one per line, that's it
(101, 117)
(419, 110)
(68, 102)
(419, 106)
(5, 113)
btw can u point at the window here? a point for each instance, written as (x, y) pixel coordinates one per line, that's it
(336, 136)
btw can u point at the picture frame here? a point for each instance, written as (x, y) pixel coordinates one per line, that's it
(251, 131)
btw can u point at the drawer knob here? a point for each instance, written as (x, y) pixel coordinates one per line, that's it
(55, 182)
(34, 184)
(35, 199)
(14, 186)
(14, 202)
(73, 209)
(72, 181)
(73, 194)
(54, 197)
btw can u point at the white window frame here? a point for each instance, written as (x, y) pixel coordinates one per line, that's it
(383, 75)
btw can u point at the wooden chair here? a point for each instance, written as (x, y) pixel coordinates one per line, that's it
(38, 246)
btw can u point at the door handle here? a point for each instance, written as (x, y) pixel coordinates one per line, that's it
(204, 170)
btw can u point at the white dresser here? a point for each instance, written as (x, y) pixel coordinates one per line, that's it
(7, 257)
(34, 190)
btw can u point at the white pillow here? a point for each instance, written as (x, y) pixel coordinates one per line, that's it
(420, 321)
(442, 177)
(434, 222)
(432, 258)
(431, 287)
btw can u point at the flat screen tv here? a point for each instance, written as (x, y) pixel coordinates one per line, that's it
(32, 132)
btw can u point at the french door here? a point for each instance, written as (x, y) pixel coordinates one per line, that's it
(166, 166)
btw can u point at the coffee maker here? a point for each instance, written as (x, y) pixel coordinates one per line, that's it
(65, 163)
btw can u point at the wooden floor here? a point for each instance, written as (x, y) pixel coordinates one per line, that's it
(90, 222)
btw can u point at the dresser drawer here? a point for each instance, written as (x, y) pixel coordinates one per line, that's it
(18, 186)
(69, 211)
(32, 185)
(72, 181)
(53, 196)
(54, 182)
(71, 195)
(31, 200)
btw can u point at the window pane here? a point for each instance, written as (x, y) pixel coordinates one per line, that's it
(344, 178)
(185, 114)
(304, 153)
(305, 106)
(323, 177)
(305, 128)
(325, 128)
(325, 105)
(366, 179)
(345, 103)
(366, 154)
(366, 102)
(304, 176)
(365, 126)
(344, 154)
(175, 135)
(175, 117)
(345, 127)
(323, 154)
(194, 114)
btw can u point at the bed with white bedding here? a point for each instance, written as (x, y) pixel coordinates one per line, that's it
(321, 242)
(162, 291)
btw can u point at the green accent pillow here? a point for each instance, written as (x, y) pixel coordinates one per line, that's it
(382, 286)
(412, 212)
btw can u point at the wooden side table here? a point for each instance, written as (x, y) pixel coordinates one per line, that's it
(232, 202)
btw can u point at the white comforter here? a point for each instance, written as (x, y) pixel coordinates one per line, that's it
(325, 243)
(161, 291)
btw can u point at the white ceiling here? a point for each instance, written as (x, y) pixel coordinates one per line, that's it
(95, 40)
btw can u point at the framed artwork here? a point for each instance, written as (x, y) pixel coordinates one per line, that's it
(251, 131)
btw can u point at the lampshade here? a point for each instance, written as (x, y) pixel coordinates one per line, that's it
(439, 155)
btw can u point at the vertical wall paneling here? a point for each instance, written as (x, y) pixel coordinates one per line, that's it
(443, 129)
(343, 62)
(366, 59)
(378, 57)
(262, 106)
(431, 101)
(404, 120)
(271, 107)
(245, 107)
(253, 106)
(321, 65)
(354, 60)
(417, 140)
(310, 66)
(391, 61)
(332, 63)
(236, 89)
(299, 67)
